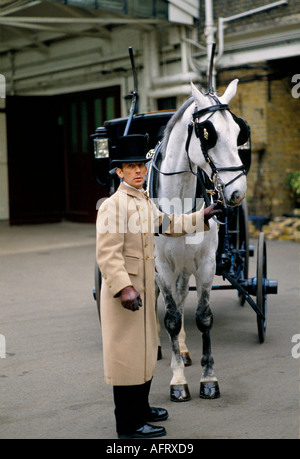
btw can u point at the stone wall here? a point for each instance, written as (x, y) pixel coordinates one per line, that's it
(265, 100)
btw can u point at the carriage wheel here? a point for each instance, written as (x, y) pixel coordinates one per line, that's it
(261, 276)
(242, 242)
(98, 282)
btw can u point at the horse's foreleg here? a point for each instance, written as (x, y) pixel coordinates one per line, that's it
(209, 387)
(179, 391)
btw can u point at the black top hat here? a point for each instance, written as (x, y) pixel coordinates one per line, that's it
(130, 149)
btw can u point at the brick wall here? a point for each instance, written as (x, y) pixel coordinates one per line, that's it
(226, 8)
(265, 100)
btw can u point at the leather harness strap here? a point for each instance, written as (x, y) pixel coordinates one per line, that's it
(215, 170)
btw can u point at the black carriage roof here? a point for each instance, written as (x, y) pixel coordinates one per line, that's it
(158, 115)
(152, 123)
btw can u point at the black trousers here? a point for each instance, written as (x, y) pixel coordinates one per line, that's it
(131, 407)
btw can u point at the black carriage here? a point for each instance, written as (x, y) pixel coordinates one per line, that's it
(234, 249)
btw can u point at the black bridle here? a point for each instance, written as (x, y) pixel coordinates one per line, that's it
(203, 130)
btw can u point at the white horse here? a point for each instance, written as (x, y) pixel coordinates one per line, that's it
(209, 143)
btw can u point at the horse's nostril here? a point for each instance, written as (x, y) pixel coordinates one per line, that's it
(239, 200)
(236, 198)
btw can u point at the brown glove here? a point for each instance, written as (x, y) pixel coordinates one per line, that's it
(210, 211)
(130, 298)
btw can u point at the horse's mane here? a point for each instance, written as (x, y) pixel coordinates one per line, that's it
(171, 123)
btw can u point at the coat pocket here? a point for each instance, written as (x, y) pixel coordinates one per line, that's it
(132, 265)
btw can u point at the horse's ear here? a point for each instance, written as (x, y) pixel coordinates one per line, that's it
(230, 92)
(199, 98)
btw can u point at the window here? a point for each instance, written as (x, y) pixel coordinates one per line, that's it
(168, 103)
(88, 111)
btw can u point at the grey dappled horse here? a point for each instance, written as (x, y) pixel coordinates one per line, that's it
(202, 133)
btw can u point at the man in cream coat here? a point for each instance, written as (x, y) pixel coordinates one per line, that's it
(126, 224)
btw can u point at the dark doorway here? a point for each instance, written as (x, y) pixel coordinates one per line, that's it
(35, 160)
(49, 155)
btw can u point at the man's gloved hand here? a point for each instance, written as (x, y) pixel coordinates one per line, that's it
(130, 298)
(210, 211)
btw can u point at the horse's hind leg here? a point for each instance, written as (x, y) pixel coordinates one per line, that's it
(209, 387)
(185, 354)
(183, 290)
(179, 391)
(159, 351)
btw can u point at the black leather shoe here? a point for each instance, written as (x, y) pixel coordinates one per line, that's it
(146, 431)
(157, 415)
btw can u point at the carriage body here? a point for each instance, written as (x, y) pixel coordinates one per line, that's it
(232, 256)
(105, 137)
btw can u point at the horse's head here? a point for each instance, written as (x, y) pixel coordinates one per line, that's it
(214, 143)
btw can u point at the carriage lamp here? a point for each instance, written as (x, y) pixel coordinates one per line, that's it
(101, 148)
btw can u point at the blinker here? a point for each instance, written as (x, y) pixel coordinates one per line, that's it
(244, 134)
(207, 134)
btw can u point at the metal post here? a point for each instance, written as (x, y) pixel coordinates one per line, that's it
(210, 30)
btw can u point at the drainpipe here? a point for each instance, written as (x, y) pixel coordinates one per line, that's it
(11, 55)
(184, 59)
(177, 79)
(222, 22)
(151, 61)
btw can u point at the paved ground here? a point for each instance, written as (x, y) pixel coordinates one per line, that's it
(52, 377)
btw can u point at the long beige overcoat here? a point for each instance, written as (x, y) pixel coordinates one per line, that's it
(125, 256)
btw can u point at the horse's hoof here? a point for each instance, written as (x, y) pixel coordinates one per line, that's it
(186, 359)
(209, 389)
(180, 393)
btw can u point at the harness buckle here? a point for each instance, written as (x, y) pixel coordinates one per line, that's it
(150, 154)
(219, 187)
